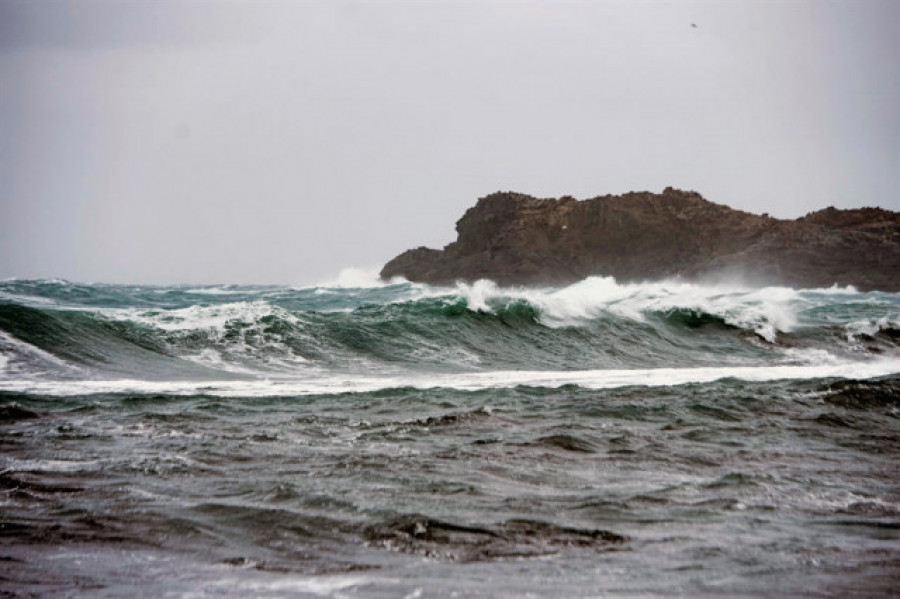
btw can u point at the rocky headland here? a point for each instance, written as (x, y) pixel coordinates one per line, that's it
(516, 239)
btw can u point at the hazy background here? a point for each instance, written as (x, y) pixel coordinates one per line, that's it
(278, 142)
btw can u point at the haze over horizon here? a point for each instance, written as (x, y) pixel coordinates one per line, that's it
(237, 142)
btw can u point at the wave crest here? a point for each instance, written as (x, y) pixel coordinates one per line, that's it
(766, 311)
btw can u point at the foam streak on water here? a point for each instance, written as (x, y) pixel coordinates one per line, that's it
(588, 379)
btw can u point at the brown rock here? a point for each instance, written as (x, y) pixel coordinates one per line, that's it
(514, 238)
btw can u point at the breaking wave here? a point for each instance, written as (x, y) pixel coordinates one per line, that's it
(386, 437)
(54, 329)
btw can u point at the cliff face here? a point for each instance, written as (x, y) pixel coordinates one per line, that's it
(517, 239)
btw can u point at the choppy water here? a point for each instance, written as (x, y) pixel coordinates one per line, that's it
(406, 440)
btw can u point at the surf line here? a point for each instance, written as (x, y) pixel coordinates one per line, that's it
(469, 381)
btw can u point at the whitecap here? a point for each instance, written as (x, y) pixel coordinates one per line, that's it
(870, 326)
(216, 290)
(765, 311)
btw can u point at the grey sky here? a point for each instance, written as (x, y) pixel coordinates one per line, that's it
(278, 142)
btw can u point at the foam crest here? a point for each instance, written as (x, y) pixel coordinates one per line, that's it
(215, 290)
(766, 311)
(199, 317)
(871, 326)
(237, 332)
(835, 290)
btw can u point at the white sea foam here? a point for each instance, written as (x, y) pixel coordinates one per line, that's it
(766, 311)
(14, 464)
(296, 585)
(237, 328)
(810, 356)
(472, 381)
(834, 290)
(60, 282)
(217, 290)
(198, 317)
(870, 326)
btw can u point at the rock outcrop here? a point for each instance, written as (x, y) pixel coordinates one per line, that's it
(514, 238)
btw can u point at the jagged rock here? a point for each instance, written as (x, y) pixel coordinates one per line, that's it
(514, 238)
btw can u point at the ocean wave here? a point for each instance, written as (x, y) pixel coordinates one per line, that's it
(239, 337)
(766, 311)
(21, 359)
(198, 317)
(596, 323)
(872, 326)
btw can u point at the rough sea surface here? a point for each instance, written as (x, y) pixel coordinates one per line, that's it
(401, 440)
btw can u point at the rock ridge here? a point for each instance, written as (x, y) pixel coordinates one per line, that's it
(516, 239)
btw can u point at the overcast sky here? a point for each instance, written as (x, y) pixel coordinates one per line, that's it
(167, 142)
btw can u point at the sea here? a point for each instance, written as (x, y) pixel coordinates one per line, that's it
(392, 439)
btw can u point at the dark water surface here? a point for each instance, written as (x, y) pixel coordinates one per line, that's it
(408, 441)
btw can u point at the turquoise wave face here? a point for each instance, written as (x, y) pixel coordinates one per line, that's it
(59, 330)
